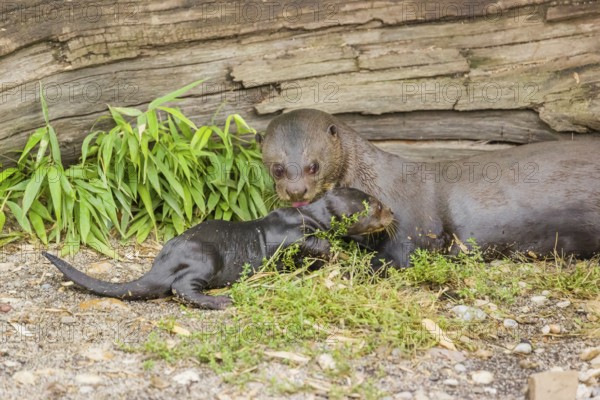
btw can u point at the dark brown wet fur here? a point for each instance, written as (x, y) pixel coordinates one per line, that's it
(550, 202)
(212, 254)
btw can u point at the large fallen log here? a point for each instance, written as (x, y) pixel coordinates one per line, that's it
(511, 71)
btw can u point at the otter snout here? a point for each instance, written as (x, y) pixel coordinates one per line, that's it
(297, 191)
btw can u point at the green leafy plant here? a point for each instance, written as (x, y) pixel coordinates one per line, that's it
(155, 171)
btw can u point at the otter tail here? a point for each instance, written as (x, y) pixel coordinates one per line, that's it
(135, 290)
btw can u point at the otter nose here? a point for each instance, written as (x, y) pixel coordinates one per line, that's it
(296, 192)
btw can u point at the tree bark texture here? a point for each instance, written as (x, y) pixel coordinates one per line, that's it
(428, 79)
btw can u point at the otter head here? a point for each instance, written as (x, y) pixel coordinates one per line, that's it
(349, 201)
(303, 153)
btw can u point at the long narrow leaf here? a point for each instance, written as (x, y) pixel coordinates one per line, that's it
(33, 140)
(54, 146)
(41, 210)
(153, 124)
(17, 212)
(147, 201)
(85, 146)
(84, 219)
(173, 95)
(32, 189)
(38, 226)
(56, 192)
(130, 112)
(176, 113)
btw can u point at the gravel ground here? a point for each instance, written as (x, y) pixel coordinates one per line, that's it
(59, 342)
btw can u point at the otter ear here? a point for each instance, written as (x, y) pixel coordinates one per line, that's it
(259, 139)
(332, 130)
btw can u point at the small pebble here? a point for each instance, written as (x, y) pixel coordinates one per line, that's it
(482, 377)
(528, 364)
(589, 375)
(525, 309)
(97, 354)
(460, 368)
(158, 382)
(483, 354)
(455, 356)
(326, 362)
(88, 379)
(420, 395)
(46, 286)
(186, 377)
(510, 323)
(546, 293)
(583, 392)
(595, 362)
(523, 348)
(441, 396)
(403, 396)
(546, 329)
(24, 377)
(6, 267)
(469, 313)
(490, 390)
(12, 364)
(563, 304)
(4, 308)
(539, 351)
(590, 353)
(539, 300)
(103, 304)
(68, 320)
(100, 268)
(450, 382)
(555, 328)
(522, 285)
(86, 389)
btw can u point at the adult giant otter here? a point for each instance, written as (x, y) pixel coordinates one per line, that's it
(538, 197)
(212, 254)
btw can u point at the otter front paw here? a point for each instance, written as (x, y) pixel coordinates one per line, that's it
(216, 302)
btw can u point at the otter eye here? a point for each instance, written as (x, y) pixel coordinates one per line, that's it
(277, 171)
(313, 168)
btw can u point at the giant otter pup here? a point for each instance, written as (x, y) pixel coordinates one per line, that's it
(212, 254)
(538, 197)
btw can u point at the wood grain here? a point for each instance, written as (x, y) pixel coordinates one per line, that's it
(511, 71)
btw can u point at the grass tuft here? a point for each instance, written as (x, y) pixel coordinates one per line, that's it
(344, 310)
